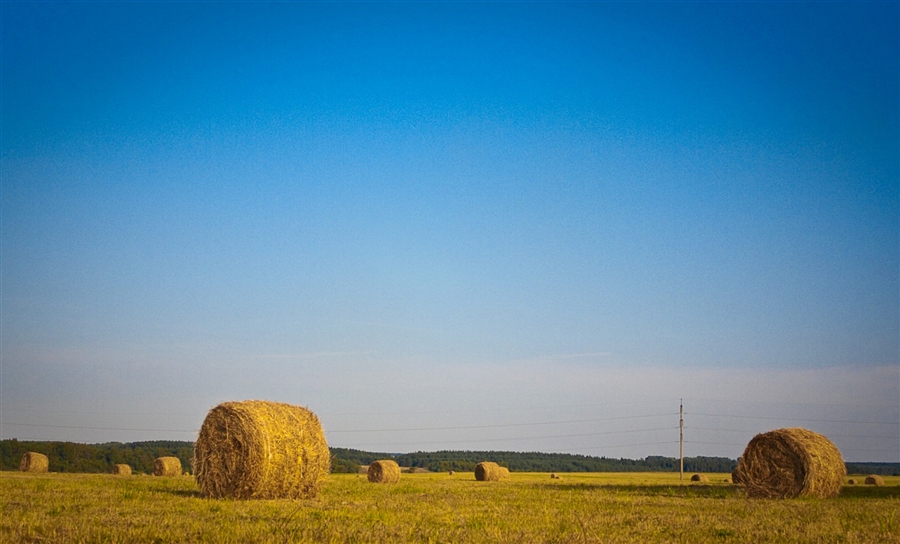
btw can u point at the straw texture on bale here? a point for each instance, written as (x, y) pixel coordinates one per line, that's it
(874, 479)
(384, 472)
(261, 450)
(699, 478)
(792, 462)
(121, 469)
(488, 471)
(34, 462)
(167, 466)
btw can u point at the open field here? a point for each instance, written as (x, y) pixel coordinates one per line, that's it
(529, 507)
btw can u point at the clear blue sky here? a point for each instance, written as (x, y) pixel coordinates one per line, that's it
(502, 225)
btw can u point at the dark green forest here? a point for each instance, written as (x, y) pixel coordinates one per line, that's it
(100, 458)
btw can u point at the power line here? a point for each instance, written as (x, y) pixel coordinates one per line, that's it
(799, 419)
(99, 428)
(504, 425)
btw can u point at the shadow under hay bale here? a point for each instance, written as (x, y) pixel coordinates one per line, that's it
(700, 478)
(874, 479)
(792, 462)
(121, 469)
(34, 462)
(487, 471)
(167, 466)
(384, 472)
(261, 450)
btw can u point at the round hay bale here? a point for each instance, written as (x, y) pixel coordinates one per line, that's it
(121, 469)
(34, 462)
(452, 473)
(167, 466)
(700, 478)
(552, 476)
(851, 481)
(384, 472)
(874, 479)
(487, 471)
(735, 477)
(792, 462)
(261, 450)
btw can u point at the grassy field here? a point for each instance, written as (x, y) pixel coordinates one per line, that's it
(620, 507)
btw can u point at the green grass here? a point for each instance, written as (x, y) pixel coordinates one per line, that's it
(622, 507)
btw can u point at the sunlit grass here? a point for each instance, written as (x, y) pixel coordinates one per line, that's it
(621, 507)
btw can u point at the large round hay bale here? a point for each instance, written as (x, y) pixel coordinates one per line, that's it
(34, 462)
(487, 471)
(121, 469)
(167, 466)
(874, 479)
(384, 472)
(699, 478)
(261, 450)
(792, 462)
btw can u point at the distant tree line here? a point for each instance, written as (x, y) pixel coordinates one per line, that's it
(75, 457)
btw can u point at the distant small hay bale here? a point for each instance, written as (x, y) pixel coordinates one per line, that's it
(384, 472)
(487, 471)
(452, 473)
(851, 481)
(167, 466)
(700, 478)
(34, 462)
(874, 479)
(552, 476)
(261, 450)
(121, 469)
(788, 463)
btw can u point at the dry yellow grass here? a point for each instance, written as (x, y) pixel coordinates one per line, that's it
(791, 462)
(261, 450)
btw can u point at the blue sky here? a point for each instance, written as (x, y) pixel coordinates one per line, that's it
(525, 226)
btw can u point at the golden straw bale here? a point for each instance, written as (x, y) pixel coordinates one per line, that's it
(792, 462)
(261, 450)
(699, 478)
(34, 462)
(121, 469)
(384, 472)
(851, 481)
(167, 466)
(874, 479)
(488, 471)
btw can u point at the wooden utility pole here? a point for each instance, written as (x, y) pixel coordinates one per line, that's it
(681, 436)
